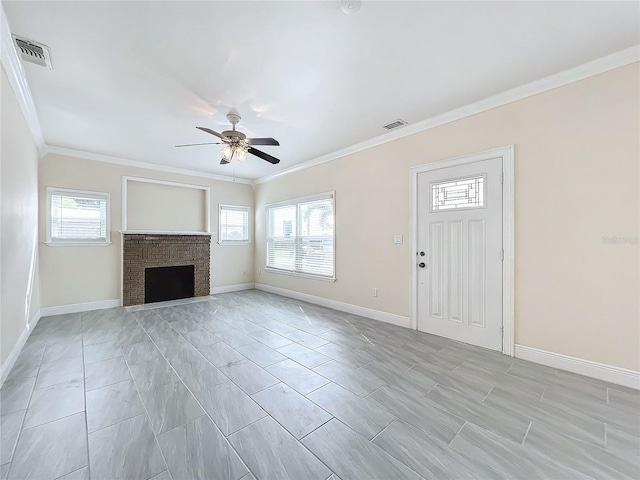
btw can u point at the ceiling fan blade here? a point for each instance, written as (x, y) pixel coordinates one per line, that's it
(264, 156)
(223, 161)
(196, 144)
(208, 130)
(263, 141)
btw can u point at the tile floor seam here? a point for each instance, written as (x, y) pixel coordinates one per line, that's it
(307, 434)
(381, 431)
(111, 384)
(458, 433)
(266, 414)
(488, 393)
(180, 426)
(312, 452)
(427, 392)
(371, 442)
(84, 398)
(315, 389)
(524, 439)
(74, 471)
(116, 423)
(144, 407)
(65, 358)
(60, 383)
(24, 418)
(263, 389)
(192, 395)
(103, 386)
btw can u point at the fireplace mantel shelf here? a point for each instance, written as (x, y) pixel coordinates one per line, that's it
(162, 232)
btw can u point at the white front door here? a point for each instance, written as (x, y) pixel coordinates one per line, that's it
(459, 254)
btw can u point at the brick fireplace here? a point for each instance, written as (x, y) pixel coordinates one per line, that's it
(141, 251)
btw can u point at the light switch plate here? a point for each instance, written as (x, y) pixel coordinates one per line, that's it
(397, 239)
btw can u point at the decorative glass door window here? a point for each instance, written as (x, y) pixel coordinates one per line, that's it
(458, 194)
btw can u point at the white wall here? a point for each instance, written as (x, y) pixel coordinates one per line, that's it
(576, 182)
(18, 221)
(81, 274)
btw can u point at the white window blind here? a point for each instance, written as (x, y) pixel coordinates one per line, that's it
(233, 225)
(300, 236)
(77, 217)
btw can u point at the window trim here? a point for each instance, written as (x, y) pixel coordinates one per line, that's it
(82, 242)
(234, 242)
(295, 201)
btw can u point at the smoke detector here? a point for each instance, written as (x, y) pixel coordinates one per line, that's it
(395, 124)
(33, 52)
(350, 6)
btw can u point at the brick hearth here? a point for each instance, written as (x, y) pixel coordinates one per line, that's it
(141, 251)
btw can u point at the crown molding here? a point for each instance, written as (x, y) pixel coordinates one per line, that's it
(18, 81)
(15, 72)
(98, 157)
(595, 67)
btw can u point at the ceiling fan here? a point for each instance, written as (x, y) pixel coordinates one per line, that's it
(237, 144)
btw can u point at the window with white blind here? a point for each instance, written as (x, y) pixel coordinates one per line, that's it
(300, 236)
(233, 224)
(76, 217)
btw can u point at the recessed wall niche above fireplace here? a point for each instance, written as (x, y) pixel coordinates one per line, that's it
(144, 253)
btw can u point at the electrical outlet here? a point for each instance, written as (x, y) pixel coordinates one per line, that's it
(259, 271)
(397, 239)
(374, 292)
(244, 273)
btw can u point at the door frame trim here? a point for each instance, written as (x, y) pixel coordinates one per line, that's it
(508, 234)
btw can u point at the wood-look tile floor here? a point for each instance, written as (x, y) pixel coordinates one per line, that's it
(253, 385)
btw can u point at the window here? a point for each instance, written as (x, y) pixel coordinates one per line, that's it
(234, 225)
(75, 217)
(457, 194)
(300, 236)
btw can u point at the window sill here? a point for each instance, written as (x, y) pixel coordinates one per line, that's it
(223, 244)
(297, 274)
(77, 244)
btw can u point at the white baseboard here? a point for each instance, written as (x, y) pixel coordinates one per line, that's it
(79, 307)
(232, 288)
(601, 371)
(341, 306)
(17, 348)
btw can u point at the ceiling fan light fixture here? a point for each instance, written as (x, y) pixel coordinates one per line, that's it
(227, 152)
(241, 154)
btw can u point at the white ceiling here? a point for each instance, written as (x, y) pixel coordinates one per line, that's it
(133, 79)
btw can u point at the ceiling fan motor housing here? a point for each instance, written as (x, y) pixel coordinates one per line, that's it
(234, 135)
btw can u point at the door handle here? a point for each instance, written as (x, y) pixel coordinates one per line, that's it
(421, 265)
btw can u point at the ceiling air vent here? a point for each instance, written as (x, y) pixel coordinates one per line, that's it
(33, 52)
(395, 124)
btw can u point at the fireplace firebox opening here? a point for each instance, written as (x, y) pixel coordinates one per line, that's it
(168, 283)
